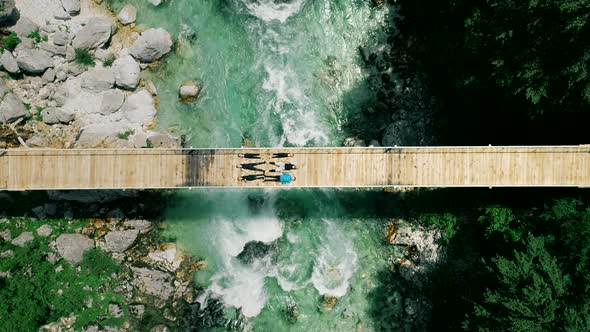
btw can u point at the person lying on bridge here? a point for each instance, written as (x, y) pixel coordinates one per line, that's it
(282, 155)
(284, 178)
(251, 177)
(250, 155)
(282, 166)
(252, 166)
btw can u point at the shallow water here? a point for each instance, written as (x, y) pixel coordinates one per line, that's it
(282, 73)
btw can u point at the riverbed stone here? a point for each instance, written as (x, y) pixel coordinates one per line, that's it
(44, 231)
(71, 247)
(71, 6)
(33, 61)
(22, 239)
(127, 72)
(112, 100)
(127, 15)
(152, 45)
(120, 241)
(24, 27)
(94, 34)
(167, 257)
(139, 108)
(9, 62)
(97, 81)
(189, 91)
(153, 282)
(143, 226)
(99, 134)
(12, 108)
(54, 115)
(61, 38)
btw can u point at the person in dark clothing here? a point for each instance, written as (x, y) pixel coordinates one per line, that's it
(252, 166)
(284, 178)
(282, 166)
(282, 155)
(250, 155)
(252, 177)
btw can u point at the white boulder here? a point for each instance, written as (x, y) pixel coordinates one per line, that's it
(127, 72)
(127, 15)
(152, 45)
(139, 108)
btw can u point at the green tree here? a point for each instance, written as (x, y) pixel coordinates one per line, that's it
(531, 295)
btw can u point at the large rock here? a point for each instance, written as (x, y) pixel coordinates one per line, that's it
(99, 134)
(52, 50)
(53, 115)
(44, 231)
(127, 72)
(72, 7)
(400, 133)
(139, 108)
(120, 241)
(152, 45)
(61, 38)
(167, 257)
(8, 61)
(22, 239)
(9, 13)
(24, 27)
(33, 61)
(153, 282)
(112, 101)
(97, 81)
(95, 34)
(12, 109)
(127, 15)
(71, 247)
(189, 91)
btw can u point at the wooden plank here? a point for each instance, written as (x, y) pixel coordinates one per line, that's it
(22, 169)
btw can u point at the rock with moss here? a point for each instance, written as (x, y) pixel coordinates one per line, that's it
(120, 241)
(23, 239)
(71, 247)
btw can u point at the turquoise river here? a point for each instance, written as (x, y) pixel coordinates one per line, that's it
(280, 73)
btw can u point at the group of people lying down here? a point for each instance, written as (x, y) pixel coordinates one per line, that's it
(280, 167)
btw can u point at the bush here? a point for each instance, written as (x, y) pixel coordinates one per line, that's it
(11, 41)
(35, 35)
(125, 135)
(84, 57)
(108, 62)
(446, 223)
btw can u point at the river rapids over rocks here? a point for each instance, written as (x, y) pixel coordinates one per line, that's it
(278, 73)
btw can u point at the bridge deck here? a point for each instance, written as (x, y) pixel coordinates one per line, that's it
(32, 169)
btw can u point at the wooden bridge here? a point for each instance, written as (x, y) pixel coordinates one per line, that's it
(507, 166)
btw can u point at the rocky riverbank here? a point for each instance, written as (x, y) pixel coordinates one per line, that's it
(72, 76)
(148, 283)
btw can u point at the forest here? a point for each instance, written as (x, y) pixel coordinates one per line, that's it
(513, 73)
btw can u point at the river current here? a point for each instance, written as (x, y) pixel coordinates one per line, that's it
(279, 73)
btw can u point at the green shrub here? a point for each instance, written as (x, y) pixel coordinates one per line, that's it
(446, 223)
(84, 57)
(108, 62)
(11, 41)
(125, 135)
(35, 35)
(27, 106)
(38, 115)
(99, 263)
